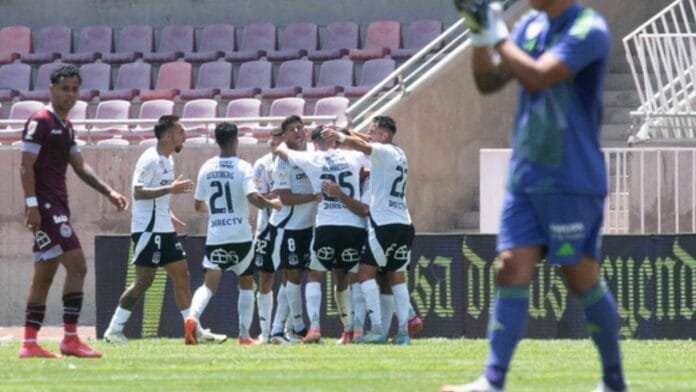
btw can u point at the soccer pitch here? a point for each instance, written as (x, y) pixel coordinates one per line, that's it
(168, 365)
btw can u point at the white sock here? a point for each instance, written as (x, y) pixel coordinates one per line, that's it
(186, 313)
(402, 302)
(245, 308)
(281, 312)
(371, 294)
(386, 305)
(358, 306)
(199, 302)
(294, 293)
(344, 308)
(264, 302)
(411, 311)
(313, 302)
(119, 319)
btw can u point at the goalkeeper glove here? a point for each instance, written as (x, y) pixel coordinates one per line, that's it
(485, 20)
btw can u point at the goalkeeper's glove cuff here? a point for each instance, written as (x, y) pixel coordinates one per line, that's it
(495, 32)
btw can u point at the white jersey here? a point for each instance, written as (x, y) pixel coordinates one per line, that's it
(299, 216)
(224, 183)
(152, 215)
(263, 169)
(388, 178)
(341, 167)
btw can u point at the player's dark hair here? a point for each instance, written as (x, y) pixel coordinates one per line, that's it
(316, 133)
(385, 122)
(288, 121)
(225, 133)
(165, 123)
(65, 71)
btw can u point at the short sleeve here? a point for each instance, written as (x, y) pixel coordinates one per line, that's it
(281, 174)
(379, 151)
(35, 134)
(144, 172)
(200, 185)
(262, 186)
(299, 158)
(585, 42)
(248, 180)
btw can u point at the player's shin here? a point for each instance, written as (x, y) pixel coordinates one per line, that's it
(245, 308)
(264, 303)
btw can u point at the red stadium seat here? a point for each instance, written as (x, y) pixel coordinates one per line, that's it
(149, 110)
(93, 41)
(212, 77)
(172, 78)
(246, 107)
(131, 78)
(332, 106)
(14, 41)
(419, 34)
(339, 39)
(174, 41)
(334, 77)
(373, 72)
(78, 112)
(216, 41)
(257, 40)
(42, 83)
(382, 36)
(199, 108)
(132, 42)
(14, 78)
(293, 76)
(19, 111)
(96, 77)
(295, 41)
(282, 107)
(109, 110)
(52, 41)
(253, 76)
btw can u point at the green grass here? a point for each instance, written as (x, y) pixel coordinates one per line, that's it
(168, 365)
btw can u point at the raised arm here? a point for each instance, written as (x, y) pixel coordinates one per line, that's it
(86, 174)
(354, 142)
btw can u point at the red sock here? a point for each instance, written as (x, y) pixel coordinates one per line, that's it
(30, 334)
(70, 330)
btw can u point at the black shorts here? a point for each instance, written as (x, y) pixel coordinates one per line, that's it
(337, 247)
(156, 249)
(235, 256)
(291, 247)
(389, 246)
(263, 250)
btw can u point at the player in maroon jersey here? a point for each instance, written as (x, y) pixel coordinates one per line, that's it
(48, 146)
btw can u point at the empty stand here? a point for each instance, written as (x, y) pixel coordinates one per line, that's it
(172, 78)
(373, 72)
(42, 83)
(295, 41)
(246, 107)
(133, 41)
(14, 78)
(150, 110)
(216, 41)
(113, 142)
(419, 34)
(253, 76)
(199, 108)
(175, 40)
(14, 41)
(19, 111)
(332, 106)
(131, 78)
(282, 107)
(257, 40)
(382, 36)
(339, 39)
(78, 112)
(92, 42)
(212, 77)
(109, 110)
(96, 77)
(334, 77)
(293, 76)
(52, 41)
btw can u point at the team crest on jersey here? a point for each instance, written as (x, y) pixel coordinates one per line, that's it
(258, 261)
(293, 259)
(65, 230)
(156, 257)
(31, 129)
(41, 239)
(141, 175)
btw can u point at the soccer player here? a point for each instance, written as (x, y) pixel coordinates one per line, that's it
(339, 233)
(154, 227)
(390, 231)
(553, 204)
(48, 146)
(224, 186)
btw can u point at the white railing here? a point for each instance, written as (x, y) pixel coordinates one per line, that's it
(661, 54)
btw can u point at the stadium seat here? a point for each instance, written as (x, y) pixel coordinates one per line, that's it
(247, 139)
(93, 41)
(150, 142)
(52, 41)
(42, 83)
(200, 140)
(96, 77)
(175, 40)
(419, 34)
(293, 76)
(246, 107)
(282, 107)
(131, 78)
(253, 76)
(332, 106)
(212, 77)
(117, 109)
(19, 111)
(373, 72)
(382, 36)
(14, 41)
(295, 41)
(150, 110)
(172, 78)
(339, 39)
(132, 42)
(78, 112)
(257, 40)
(113, 142)
(334, 77)
(216, 41)
(199, 108)
(14, 78)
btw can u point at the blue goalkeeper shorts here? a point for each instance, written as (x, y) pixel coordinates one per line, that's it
(566, 225)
